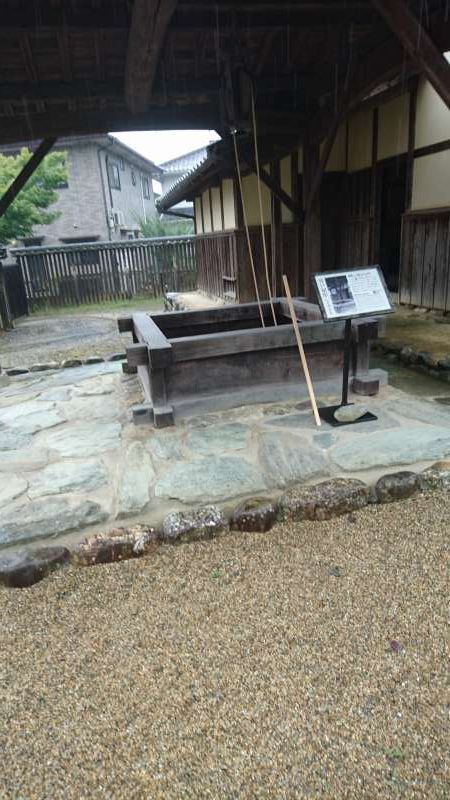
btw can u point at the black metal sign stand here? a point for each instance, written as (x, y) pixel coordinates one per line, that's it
(327, 412)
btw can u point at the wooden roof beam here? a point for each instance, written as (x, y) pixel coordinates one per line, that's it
(149, 23)
(27, 171)
(418, 44)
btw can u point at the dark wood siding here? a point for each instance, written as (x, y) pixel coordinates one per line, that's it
(425, 259)
(223, 263)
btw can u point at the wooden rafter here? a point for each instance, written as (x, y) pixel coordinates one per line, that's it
(418, 43)
(149, 22)
(26, 173)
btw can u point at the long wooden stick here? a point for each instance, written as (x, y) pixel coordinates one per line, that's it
(266, 262)
(249, 244)
(312, 396)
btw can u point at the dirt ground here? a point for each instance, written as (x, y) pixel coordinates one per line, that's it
(421, 330)
(309, 662)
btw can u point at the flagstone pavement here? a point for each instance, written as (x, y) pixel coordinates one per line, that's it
(72, 462)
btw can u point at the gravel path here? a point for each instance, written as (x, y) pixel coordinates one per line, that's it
(308, 662)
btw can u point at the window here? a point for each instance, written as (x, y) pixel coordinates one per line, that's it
(145, 188)
(133, 177)
(121, 164)
(113, 175)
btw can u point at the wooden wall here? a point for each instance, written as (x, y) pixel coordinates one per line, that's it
(224, 268)
(425, 273)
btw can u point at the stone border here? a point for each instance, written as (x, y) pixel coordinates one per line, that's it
(330, 498)
(69, 363)
(419, 361)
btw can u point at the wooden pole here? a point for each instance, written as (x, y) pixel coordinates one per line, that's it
(266, 262)
(304, 363)
(249, 244)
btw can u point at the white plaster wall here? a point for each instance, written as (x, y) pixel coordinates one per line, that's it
(206, 212)
(337, 161)
(229, 216)
(198, 214)
(431, 184)
(360, 135)
(393, 122)
(216, 204)
(432, 117)
(250, 192)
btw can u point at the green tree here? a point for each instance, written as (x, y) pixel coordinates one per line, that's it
(161, 227)
(39, 193)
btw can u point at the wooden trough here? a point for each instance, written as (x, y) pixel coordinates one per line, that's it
(195, 361)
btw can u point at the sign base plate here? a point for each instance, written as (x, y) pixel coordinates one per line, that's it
(327, 414)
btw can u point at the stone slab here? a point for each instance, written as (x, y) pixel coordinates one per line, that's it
(11, 439)
(48, 516)
(137, 474)
(218, 438)
(384, 449)
(68, 476)
(82, 440)
(166, 446)
(23, 460)
(11, 487)
(287, 458)
(210, 478)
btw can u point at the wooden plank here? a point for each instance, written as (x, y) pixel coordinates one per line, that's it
(191, 348)
(231, 313)
(429, 263)
(149, 23)
(418, 44)
(147, 332)
(137, 355)
(441, 270)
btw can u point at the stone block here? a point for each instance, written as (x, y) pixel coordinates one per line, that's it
(23, 568)
(396, 486)
(328, 499)
(118, 544)
(188, 526)
(254, 515)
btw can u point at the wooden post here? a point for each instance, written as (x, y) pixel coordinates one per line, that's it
(312, 246)
(276, 235)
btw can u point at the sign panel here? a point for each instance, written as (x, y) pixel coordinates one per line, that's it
(352, 293)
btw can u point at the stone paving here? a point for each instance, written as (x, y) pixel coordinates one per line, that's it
(73, 463)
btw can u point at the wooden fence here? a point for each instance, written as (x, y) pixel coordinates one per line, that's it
(92, 273)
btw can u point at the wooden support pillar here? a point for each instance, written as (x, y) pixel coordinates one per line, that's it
(312, 250)
(26, 173)
(276, 235)
(375, 199)
(411, 143)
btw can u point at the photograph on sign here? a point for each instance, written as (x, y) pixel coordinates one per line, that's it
(352, 293)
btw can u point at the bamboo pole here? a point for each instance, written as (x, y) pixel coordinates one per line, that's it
(302, 352)
(249, 244)
(266, 262)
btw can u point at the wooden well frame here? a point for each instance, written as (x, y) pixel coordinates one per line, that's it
(195, 361)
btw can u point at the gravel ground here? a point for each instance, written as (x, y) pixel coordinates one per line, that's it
(58, 338)
(308, 662)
